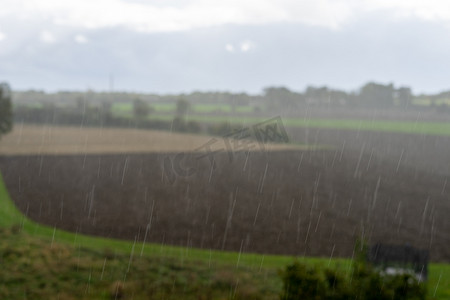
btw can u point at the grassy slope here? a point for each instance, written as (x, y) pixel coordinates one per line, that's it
(223, 262)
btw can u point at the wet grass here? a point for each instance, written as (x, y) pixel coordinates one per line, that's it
(32, 268)
(40, 262)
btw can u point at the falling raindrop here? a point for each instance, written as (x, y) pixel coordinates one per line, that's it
(124, 169)
(331, 256)
(332, 231)
(263, 179)
(99, 165)
(230, 217)
(257, 211)
(261, 264)
(89, 283)
(239, 254)
(437, 284)
(424, 215)
(212, 169)
(342, 150)
(307, 232)
(131, 257)
(398, 209)
(318, 220)
(400, 160)
(290, 210)
(300, 163)
(443, 188)
(349, 206)
(334, 159)
(375, 193)
(103, 269)
(246, 160)
(370, 160)
(359, 160)
(53, 236)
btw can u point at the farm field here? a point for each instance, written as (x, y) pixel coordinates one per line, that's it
(29, 139)
(126, 109)
(136, 158)
(293, 201)
(423, 128)
(101, 264)
(320, 211)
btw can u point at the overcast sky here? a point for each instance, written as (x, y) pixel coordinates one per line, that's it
(171, 46)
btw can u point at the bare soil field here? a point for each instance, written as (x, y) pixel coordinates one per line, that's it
(428, 153)
(286, 202)
(289, 201)
(29, 139)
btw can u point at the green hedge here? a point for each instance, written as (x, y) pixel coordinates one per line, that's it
(364, 282)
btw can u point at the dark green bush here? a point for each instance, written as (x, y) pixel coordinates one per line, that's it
(406, 286)
(179, 124)
(337, 286)
(364, 283)
(193, 127)
(302, 282)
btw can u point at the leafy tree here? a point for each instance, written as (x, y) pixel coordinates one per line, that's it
(106, 111)
(6, 116)
(317, 95)
(141, 109)
(404, 96)
(183, 107)
(282, 98)
(377, 95)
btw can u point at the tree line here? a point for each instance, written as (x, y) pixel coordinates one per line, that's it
(95, 108)
(371, 95)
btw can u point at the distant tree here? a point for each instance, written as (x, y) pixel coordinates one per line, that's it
(317, 95)
(179, 124)
(282, 98)
(141, 109)
(80, 103)
(377, 95)
(105, 111)
(193, 127)
(232, 99)
(6, 115)
(404, 96)
(183, 107)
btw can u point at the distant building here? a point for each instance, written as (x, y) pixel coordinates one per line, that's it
(395, 259)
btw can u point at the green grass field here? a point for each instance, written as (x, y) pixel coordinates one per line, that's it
(126, 109)
(34, 237)
(423, 128)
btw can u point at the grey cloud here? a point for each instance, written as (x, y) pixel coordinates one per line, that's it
(294, 55)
